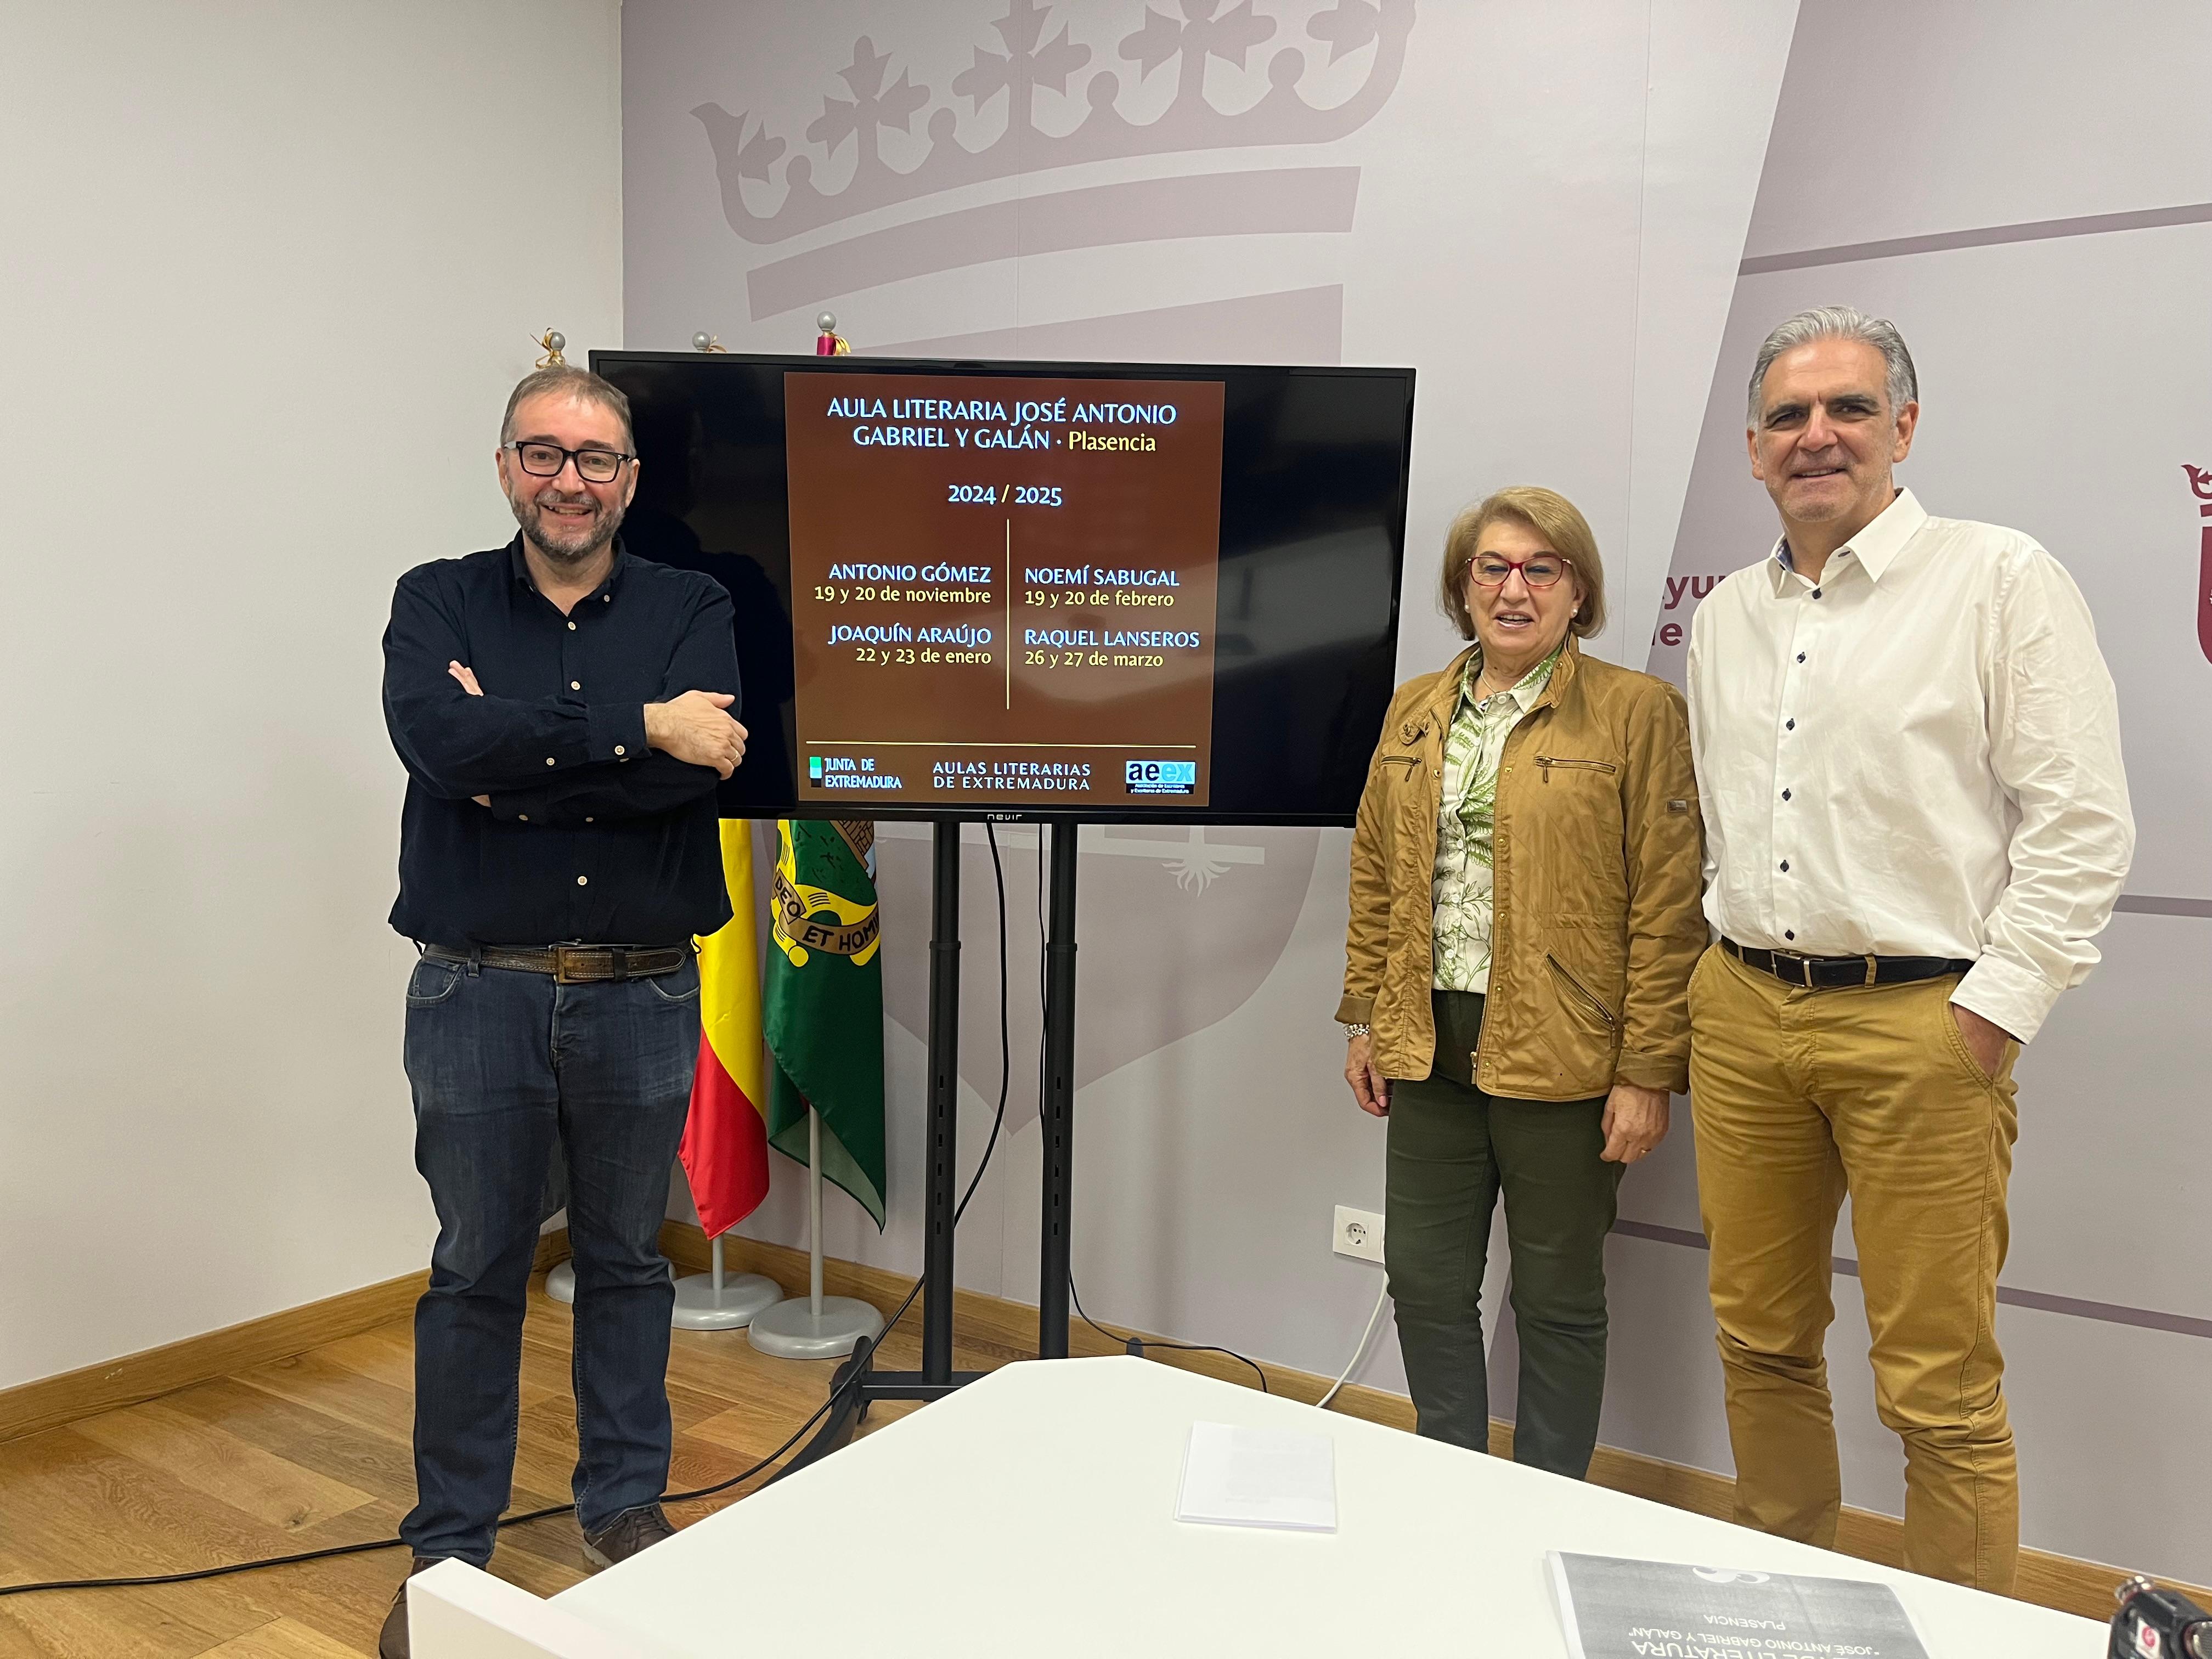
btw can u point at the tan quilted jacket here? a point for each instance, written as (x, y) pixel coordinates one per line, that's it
(1599, 853)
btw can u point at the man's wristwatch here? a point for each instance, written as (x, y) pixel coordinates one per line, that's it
(1351, 1031)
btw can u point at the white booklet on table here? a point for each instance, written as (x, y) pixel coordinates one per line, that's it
(1240, 1477)
(1620, 1610)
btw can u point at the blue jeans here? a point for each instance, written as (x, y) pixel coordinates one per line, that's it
(502, 1063)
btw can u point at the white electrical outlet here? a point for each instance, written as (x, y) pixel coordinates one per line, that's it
(1358, 1233)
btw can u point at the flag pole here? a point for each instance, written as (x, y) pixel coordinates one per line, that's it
(820, 1326)
(719, 1300)
(716, 1301)
(814, 1211)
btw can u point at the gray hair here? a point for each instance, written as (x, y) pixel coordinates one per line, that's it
(1838, 322)
(568, 381)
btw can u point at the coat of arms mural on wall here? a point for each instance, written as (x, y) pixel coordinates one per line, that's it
(1053, 94)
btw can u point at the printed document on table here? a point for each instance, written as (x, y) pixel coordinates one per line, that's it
(1620, 1610)
(1239, 1477)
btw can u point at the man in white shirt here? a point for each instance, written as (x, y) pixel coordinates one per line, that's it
(1908, 752)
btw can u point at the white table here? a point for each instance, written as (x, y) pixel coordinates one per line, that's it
(1033, 1511)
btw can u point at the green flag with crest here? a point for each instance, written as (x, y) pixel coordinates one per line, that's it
(821, 1003)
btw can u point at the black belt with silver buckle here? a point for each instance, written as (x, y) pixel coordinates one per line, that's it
(572, 964)
(1833, 973)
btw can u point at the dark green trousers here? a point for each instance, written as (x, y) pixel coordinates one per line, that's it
(1452, 1151)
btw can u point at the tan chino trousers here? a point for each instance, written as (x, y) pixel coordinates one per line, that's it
(1799, 1097)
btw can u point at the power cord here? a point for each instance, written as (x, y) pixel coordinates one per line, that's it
(334, 1550)
(1135, 1345)
(1138, 1347)
(1382, 1301)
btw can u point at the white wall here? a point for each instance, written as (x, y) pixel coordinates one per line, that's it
(266, 274)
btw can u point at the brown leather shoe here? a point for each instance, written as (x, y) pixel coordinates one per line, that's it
(394, 1641)
(626, 1535)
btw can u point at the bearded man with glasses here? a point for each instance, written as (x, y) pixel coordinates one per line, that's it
(564, 712)
(1524, 916)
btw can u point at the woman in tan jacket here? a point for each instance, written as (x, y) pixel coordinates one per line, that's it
(1525, 914)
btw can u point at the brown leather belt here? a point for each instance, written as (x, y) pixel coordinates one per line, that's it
(1833, 973)
(573, 964)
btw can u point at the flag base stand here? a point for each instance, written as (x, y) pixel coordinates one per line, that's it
(815, 1327)
(716, 1301)
(803, 1329)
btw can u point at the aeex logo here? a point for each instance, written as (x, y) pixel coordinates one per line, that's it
(2200, 483)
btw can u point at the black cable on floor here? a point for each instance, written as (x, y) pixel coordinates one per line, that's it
(334, 1551)
(1134, 1345)
(1130, 1344)
(331, 1551)
(1140, 1345)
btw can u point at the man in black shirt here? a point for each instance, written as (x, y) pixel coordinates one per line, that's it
(564, 712)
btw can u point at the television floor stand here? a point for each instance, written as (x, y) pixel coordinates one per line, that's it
(857, 1383)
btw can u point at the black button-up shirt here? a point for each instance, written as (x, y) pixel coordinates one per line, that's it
(591, 838)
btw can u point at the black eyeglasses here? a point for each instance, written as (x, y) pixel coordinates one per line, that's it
(546, 460)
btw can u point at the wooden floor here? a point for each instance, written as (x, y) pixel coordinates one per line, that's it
(314, 1451)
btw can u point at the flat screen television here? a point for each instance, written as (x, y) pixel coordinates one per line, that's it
(1157, 593)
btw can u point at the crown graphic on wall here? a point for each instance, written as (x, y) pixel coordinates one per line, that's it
(1037, 56)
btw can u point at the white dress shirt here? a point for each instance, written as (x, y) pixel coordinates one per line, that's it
(1918, 755)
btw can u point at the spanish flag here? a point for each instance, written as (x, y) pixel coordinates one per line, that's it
(725, 1148)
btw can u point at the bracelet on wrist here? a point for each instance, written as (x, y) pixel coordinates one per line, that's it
(1352, 1031)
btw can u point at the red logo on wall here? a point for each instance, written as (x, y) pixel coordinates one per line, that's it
(2200, 482)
